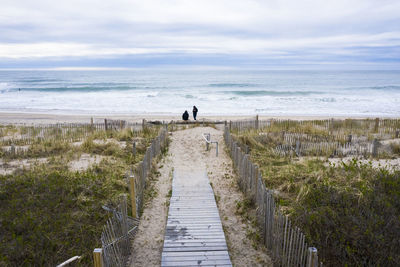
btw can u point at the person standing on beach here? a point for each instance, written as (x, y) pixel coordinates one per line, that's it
(195, 110)
(185, 116)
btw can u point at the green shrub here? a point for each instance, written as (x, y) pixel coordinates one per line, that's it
(48, 216)
(353, 223)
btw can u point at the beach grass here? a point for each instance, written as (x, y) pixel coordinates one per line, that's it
(349, 211)
(49, 212)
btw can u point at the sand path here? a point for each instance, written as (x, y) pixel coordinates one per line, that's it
(187, 153)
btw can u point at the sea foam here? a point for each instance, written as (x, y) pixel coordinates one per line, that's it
(220, 92)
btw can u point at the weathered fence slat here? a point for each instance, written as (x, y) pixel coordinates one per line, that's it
(285, 241)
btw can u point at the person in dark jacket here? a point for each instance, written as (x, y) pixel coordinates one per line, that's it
(195, 110)
(185, 116)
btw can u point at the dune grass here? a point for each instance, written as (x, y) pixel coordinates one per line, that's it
(49, 213)
(349, 211)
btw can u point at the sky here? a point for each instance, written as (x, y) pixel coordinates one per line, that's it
(222, 33)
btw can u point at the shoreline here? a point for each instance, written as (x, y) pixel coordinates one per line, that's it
(49, 118)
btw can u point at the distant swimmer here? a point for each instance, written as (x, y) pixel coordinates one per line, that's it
(195, 110)
(19, 89)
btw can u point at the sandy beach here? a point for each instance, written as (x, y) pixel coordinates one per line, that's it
(49, 118)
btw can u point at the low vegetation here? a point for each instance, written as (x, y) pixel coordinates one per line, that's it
(349, 211)
(49, 213)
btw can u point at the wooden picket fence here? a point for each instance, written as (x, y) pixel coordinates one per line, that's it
(337, 129)
(116, 236)
(328, 149)
(64, 132)
(143, 169)
(286, 242)
(337, 139)
(120, 229)
(69, 132)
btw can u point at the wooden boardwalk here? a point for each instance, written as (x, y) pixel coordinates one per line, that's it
(194, 234)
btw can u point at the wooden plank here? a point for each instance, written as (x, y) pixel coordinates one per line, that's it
(196, 221)
(195, 242)
(199, 235)
(190, 246)
(186, 206)
(192, 213)
(192, 192)
(197, 199)
(194, 234)
(188, 240)
(197, 263)
(200, 257)
(194, 228)
(210, 248)
(197, 239)
(177, 215)
(188, 215)
(204, 220)
(196, 202)
(195, 254)
(183, 230)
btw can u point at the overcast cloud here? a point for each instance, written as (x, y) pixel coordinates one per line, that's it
(123, 32)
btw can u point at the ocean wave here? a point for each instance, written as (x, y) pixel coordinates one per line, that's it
(232, 85)
(4, 87)
(40, 80)
(274, 93)
(386, 87)
(327, 99)
(378, 88)
(77, 88)
(152, 94)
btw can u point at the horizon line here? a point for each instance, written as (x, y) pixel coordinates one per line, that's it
(311, 67)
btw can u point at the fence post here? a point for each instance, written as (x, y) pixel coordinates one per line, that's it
(105, 124)
(349, 138)
(331, 124)
(134, 149)
(312, 259)
(208, 137)
(255, 182)
(91, 123)
(376, 124)
(256, 122)
(298, 145)
(12, 149)
(133, 195)
(397, 133)
(375, 144)
(143, 124)
(98, 257)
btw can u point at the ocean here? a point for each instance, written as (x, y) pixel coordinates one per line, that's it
(214, 92)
